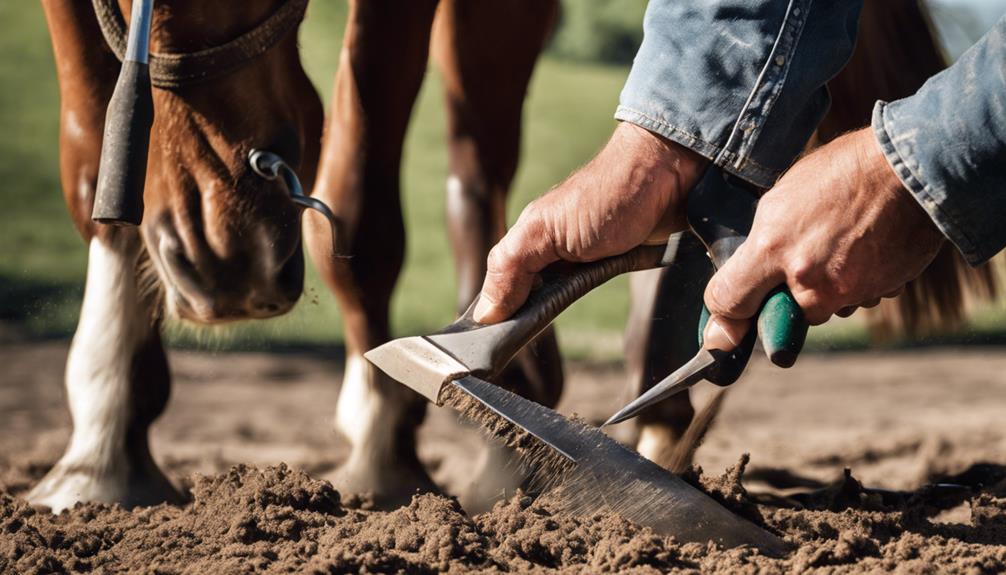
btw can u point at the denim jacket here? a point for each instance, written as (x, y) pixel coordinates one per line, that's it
(742, 82)
(947, 143)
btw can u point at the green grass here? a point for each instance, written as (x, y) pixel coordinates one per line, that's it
(41, 257)
(43, 261)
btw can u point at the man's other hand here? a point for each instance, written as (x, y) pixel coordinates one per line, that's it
(838, 228)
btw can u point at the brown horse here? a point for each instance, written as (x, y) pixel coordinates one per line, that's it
(895, 54)
(217, 243)
(485, 52)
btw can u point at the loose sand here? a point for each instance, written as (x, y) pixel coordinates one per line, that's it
(901, 421)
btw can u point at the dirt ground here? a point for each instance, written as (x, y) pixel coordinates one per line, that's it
(900, 420)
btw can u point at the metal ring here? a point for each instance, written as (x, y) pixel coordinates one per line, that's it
(271, 167)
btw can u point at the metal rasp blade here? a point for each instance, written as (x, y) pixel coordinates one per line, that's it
(600, 475)
(589, 471)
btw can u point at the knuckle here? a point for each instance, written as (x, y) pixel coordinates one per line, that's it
(768, 202)
(713, 297)
(530, 213)
(722, 300)
(805, 298)
(764, 245)
(817, 308)
(842, 289)
(803, 271)
(498, 260)
(529, 228)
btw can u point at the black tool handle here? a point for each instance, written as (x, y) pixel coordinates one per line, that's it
(486, 349)
(123, 168)
(728, 369)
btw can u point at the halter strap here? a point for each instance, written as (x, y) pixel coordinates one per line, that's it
(180, 69)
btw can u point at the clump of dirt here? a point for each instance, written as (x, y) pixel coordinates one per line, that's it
(527, 536)
(281, 520)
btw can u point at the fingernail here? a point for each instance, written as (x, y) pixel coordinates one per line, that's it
(482, 309)
(716, 337)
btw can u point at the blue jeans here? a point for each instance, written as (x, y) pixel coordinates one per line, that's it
(743, 84)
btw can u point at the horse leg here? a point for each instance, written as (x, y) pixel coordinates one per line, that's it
(486, 53)
(381, 68)
(661, 335)
(117, 383)
(117, 376)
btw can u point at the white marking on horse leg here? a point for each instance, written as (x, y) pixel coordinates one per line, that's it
(371, 412)
(497, 475)
(454, 186)
(364, 416)
(654, 441)
(112, 324)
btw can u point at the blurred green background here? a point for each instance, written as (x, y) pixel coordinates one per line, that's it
(567, 118)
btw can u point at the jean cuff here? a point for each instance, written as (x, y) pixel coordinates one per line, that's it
(898, 153)
(742, 167)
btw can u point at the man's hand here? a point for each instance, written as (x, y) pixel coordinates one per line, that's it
(631, 192)
(838, 228)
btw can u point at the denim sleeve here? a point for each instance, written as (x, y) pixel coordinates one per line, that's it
(947, 143)
(741, 82)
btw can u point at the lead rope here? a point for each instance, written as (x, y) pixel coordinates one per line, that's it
(173, 70)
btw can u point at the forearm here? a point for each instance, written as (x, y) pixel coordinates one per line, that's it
(741, 83)
(947, 144)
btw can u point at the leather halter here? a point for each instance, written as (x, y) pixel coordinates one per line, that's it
(180, 69)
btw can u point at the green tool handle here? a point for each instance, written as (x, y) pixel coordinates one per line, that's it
(720, 213)
(782, 327)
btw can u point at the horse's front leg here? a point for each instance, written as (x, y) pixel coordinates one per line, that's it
(117, 377)
(486, 53)
(380, 71)
(117, 383)
(661, 335)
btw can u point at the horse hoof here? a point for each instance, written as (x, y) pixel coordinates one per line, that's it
(498, 477)
(388, 487)
(67, 485)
